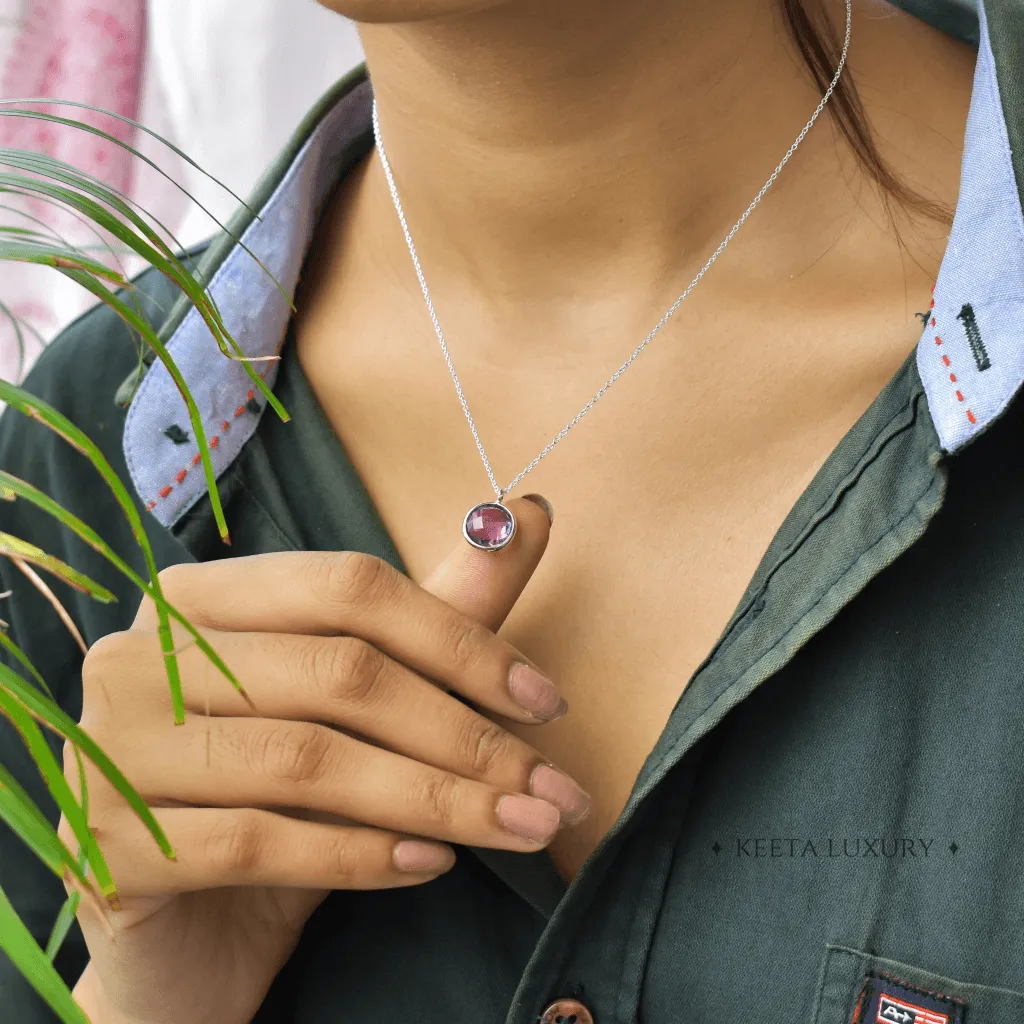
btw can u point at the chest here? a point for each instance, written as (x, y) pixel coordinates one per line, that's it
(663, 510)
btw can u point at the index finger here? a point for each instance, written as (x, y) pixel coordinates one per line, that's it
(357, 595)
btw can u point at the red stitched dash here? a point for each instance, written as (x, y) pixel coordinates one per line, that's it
(197, 459)
(952, 376)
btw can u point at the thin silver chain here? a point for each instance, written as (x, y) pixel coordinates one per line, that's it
(502, 491)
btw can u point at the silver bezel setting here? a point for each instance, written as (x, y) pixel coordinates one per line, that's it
(489, 547)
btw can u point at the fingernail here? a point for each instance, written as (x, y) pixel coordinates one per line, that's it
(529, 818)
(539, 499)
(535, 693)
(413, 855)
(548, 783)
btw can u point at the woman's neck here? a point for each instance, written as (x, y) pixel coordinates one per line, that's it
(536, 143)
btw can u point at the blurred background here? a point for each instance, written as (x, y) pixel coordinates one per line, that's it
(226, 81)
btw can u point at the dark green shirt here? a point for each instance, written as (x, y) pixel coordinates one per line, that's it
(830, 829)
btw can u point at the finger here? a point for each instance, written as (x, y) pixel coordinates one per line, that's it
(325, 593)
(484, 585)
(240, 762)
(344, 682)
(217, 847)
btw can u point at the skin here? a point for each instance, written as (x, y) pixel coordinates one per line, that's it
(566, 169)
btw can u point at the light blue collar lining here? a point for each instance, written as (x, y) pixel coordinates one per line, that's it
(167, 475)
(970, 356)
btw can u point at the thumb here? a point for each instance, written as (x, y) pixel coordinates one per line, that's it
(486, 584)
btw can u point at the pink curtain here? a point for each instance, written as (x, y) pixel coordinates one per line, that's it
(91, 51)
(86, 50)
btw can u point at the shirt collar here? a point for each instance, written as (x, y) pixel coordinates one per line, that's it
(970, 357)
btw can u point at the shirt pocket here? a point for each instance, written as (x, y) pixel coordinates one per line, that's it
(859, 988)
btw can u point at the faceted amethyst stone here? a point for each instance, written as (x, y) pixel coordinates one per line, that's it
(489, 526)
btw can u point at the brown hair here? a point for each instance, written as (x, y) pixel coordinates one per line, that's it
(820, 47)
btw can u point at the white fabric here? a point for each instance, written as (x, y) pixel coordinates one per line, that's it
(237, 77)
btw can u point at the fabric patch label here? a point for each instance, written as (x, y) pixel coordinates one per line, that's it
(887, 1000)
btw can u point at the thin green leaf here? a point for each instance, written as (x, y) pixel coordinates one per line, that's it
(37, 409)
(62, 925)
(71, 903)
(102, 243)
(165, 357)
(50, 167)
(69, 909)
(12, 487)
(40, 115)
(18, 548)
(29, 823)
(124, 145)
(19, 337)
(11, 685)
(10, 229)
(20, 656)
(17, 942)
(64, 725)
(51, 255)
(162, 258)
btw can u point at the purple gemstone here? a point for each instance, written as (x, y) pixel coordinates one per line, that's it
(489, 526)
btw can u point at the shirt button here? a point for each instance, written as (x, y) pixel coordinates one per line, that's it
(567, 1011)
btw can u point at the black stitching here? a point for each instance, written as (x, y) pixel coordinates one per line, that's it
(864, 998)
(934, 993)
(967, 318)
(176, 434)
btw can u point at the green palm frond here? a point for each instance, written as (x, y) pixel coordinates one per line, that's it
(121, 228)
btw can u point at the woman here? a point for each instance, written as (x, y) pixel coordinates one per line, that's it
(770, 770)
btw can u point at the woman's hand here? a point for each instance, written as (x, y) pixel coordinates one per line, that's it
(347, 751)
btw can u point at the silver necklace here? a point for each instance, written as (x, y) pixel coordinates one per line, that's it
(491, 525)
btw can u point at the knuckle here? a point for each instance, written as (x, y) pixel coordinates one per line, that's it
(103, 661)
(439, 795)
(355, 671)
(173, 580)
(109, 662)
(345, 863)
(235, 844)
(295, 753)
(352, 579)
(483, 745)
(467, 642)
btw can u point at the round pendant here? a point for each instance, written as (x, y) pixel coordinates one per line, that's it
(489, 526)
